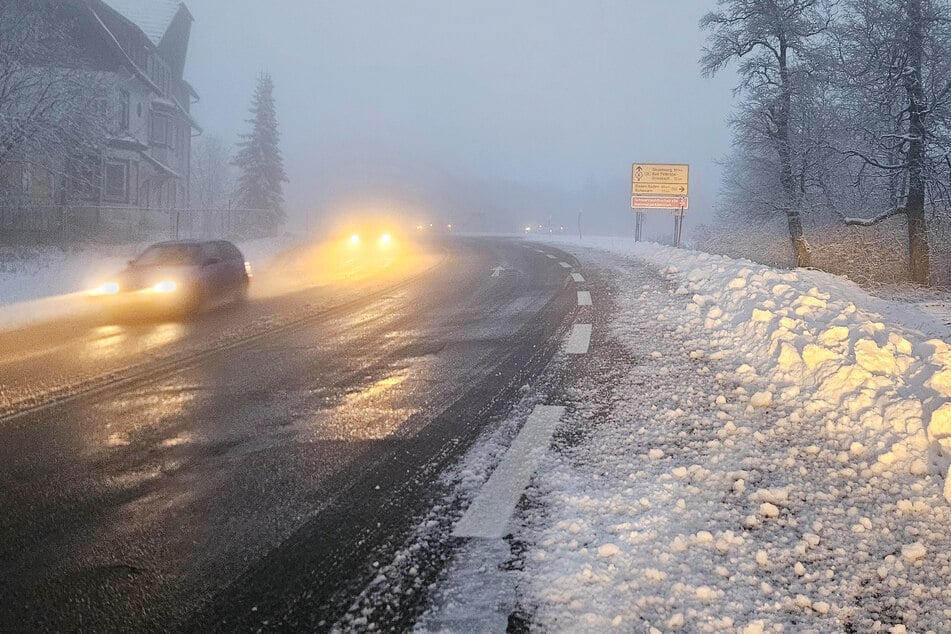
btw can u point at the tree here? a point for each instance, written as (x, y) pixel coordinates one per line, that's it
(212, 183)
(47, 104)
(896, 78)
(260, 183)
(773, 42)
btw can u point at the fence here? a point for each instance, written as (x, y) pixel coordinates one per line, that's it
(62, 224)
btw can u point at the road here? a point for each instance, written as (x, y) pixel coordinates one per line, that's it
(242, 470)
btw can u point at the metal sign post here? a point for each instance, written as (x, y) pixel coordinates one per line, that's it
(638, 226)
(678, 226)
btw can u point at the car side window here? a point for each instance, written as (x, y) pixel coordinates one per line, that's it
(210, 250)
(229, 251)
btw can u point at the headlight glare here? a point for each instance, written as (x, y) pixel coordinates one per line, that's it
(166, 286)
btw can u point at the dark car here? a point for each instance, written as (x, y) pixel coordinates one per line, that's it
(182, 276)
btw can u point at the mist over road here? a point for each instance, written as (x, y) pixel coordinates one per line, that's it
(259, 454)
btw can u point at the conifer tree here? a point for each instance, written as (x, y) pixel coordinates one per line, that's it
(260, 183)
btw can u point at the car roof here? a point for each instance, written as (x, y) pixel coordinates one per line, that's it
(191, 242)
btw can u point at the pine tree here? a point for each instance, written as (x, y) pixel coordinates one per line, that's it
(259, 160)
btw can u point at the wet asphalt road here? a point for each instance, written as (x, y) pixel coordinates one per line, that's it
(249, 482)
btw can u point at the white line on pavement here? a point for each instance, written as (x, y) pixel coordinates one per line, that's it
(579, 340)
(584, 298)
(492, 508)
(565, 265)
(549, 255)
(577, 277)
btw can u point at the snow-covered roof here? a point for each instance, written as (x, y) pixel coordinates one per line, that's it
(153, 17)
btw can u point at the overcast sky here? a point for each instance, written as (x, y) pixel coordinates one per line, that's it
(515, 110)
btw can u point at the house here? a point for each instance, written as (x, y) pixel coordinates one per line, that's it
(136, 180)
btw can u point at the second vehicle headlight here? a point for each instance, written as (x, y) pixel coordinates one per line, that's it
(166, 286)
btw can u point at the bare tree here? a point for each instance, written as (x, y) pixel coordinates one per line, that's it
(773, 41)
(48, 104)
(212, 185)
(896, 84)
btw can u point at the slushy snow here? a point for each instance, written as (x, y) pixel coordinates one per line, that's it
(774, 458)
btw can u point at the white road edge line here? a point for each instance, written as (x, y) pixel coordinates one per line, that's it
(584, 298)
(565, 265)
(549, 255)
(577, 277)
(580, 339)
(489, 513)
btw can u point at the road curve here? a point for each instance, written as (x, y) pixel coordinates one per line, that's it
(250, 484)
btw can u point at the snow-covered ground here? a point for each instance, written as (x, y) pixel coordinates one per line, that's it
(754, 450)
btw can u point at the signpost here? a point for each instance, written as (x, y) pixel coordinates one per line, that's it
(660, 186)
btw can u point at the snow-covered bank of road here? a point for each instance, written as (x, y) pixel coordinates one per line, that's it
(772, 458)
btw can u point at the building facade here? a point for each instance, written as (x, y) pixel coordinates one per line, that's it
(135, 181)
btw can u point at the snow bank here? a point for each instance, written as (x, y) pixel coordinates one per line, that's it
(771, 459)
(819, 340)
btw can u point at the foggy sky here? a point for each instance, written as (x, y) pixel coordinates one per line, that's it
(515, 110)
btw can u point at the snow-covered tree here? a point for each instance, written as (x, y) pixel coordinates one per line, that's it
(261, 178)
(212, 183)
(48, 106)
(773, 42)
(895, 78)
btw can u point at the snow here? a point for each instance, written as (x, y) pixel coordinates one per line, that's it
(153, 17)
(772, 457)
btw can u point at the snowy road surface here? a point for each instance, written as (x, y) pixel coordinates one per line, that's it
(255, 463)
(602, 437)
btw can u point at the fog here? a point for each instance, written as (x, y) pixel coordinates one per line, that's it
(490, 115)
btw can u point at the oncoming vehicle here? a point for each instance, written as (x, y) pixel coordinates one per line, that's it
(182, 276)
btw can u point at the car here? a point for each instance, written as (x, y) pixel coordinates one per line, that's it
(180, 276)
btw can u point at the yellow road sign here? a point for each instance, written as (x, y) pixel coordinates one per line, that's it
(661, 189)
(660, 179)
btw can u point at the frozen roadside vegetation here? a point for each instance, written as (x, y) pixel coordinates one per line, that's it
(43, 282)
(772, 457)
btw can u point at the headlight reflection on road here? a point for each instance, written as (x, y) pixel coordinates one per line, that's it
(107, 340)
(370, 414)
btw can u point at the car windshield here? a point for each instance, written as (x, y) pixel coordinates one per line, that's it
(169, 255)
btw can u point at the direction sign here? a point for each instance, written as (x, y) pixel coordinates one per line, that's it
(659, 202)
(660, 189)
(659, 186)
(660, 174)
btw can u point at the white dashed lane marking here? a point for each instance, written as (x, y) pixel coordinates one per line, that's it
(491, 510)
(549, 255)
(565, 265)
(584, 298)
(579, 340)
(577, 277)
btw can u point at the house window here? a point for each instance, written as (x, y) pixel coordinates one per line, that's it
(160, 129)
(115, 186)
(84, 172)
(123, 110)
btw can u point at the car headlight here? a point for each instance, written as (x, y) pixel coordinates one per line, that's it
(166, 286)
(355, 239)
(109, 288)
(386, 239)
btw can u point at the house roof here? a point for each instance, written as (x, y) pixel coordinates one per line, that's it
(153, 17)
